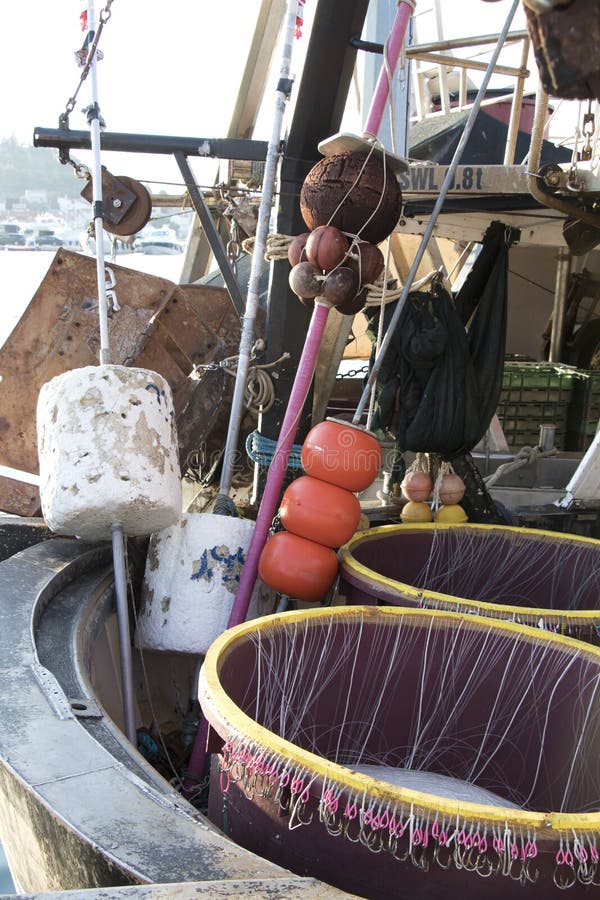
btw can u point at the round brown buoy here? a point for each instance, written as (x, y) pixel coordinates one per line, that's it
(366, 260)
(296, 252)
(340, 286)
(326, 247)
(361, 187)
(304, 281)
(353, 306)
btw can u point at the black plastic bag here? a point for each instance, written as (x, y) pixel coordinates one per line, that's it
(439, 384)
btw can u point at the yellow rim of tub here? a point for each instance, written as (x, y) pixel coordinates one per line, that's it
(222, 713)
(521, 614)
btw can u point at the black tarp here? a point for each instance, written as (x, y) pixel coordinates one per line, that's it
(436, 139)
(439, 383)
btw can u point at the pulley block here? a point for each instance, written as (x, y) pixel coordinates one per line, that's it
(126, 203)
(551, 178)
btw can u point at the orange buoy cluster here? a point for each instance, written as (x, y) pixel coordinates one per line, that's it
(326, 264)
(319, 510)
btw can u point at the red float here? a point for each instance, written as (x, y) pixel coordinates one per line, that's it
(296, 252)
(319, 511)
(326, 247)
(366, 260)
(342, 454)
(297, 567)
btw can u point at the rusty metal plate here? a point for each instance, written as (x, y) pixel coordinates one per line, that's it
(198, 326)
(566, 42)
(214, 305)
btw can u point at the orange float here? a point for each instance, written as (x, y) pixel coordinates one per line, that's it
(319, 511)
(297, 567)
(342, 454)
(452, 489)
(417, 485)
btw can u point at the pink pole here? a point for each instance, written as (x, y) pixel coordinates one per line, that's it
(391, 51)
(277, 469)
(268, 504)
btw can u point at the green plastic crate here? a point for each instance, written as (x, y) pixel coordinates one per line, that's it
(538, 381)
(584, 411)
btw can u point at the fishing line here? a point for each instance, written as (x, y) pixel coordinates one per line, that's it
(430, 710)
(512, 569)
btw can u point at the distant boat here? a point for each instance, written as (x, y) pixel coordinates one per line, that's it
(158, 241)
(11, 235)
(158, 247)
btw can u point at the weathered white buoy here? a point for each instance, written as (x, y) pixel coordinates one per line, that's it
(192, 574)
(108, 452)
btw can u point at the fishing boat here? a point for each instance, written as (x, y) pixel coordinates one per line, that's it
(125, 764)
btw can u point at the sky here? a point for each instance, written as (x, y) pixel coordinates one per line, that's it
(169, 67)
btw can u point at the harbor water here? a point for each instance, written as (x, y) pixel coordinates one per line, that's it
(6, 882)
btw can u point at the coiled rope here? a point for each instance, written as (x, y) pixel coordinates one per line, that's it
(261, 450)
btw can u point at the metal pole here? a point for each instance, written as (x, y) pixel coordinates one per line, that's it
(563, 268)
(447, 184)
(118, 546)
(517, 106)
(212, 235)
(262, 229)
(268, 504)
(118, 543)
(93, 116)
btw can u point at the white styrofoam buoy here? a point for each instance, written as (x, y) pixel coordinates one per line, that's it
(192, 573)
(108, 455)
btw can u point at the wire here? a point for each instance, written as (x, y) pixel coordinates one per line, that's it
(529, 281)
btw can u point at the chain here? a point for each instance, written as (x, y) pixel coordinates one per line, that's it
(573, 180)
(84, 58)
(589, 126)
(352, 373)
(234, 247)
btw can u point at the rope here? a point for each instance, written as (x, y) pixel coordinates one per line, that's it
(224, 506)
(526, 456)
(261, 450)
(277, 246)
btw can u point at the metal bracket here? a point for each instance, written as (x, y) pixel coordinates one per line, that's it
(84, 708)
(212, 235)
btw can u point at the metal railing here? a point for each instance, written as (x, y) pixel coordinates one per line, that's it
(437, 52)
